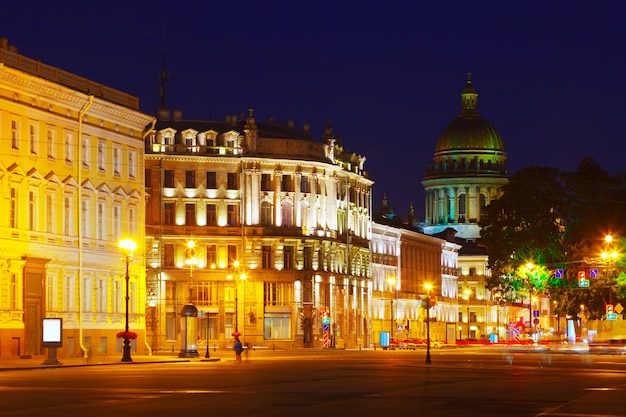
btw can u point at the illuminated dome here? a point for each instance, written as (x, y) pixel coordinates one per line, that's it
(469, 131)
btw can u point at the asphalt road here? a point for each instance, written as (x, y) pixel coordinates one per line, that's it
(462, 382)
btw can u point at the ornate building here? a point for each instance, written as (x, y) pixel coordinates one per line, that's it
(280, 225)
(71, 180)
(469, 171)
(404, 260)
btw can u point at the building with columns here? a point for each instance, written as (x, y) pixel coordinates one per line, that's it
(72, 186)
(280, 225)
(468, 172)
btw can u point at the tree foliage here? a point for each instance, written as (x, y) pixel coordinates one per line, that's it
(555, 220)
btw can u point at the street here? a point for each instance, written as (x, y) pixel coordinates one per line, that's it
(462, 382)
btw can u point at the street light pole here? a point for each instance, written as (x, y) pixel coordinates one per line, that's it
(128, 247)
(467, 293)
(237, 277)
(428, 306)
(392, 283)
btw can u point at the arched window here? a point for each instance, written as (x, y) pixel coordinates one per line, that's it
(266, 214)
(286, 214)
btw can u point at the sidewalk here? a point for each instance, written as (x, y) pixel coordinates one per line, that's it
(38, 361)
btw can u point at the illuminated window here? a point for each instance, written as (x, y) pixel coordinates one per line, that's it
(211, 255)
(232, 181)
(68, 146)
(211, 180)
(287, 214)
(277, 326)
(32, 137)
(190, 179)
(288, 257)
(15, 134)
(232, 218)
(102, 156)
(304, 184)
(117, 160)
(267, 257)
(169, 212)
(190, 214)
(277, 293)
(51, 142)
(266, 214)
(168, 178)
(84, 151)
(132, 163)
(266, 182)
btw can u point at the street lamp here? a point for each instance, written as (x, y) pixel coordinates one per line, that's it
(497, 298)
(392, 283)
(128, 247)
(236, 276)
(428, 287)
(466, 294)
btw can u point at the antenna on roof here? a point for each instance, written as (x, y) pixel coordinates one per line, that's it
(164, 76)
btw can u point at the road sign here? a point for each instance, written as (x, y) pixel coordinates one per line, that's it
(558, 273)
(433, 300)
(593, 273)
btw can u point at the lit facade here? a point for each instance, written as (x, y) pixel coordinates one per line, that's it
(285, 217)
(71, 177)
(413, 259)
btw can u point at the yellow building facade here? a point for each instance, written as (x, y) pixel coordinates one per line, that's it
(72, 186)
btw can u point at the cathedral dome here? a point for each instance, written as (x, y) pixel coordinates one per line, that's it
(469, 131)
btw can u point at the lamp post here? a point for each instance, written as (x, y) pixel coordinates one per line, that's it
(128, 247)
(466, 295)
(428, 306)
(236, 276)
(497, 298)
(392, 283)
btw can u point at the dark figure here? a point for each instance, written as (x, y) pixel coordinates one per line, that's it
(238, 348)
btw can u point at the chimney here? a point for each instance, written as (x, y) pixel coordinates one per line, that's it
(306, 128)
(290, 124)
(163, 114)
(178, 115)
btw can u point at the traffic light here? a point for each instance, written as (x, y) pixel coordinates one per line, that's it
(582, 279)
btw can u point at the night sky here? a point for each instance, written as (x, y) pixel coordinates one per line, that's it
(551, 76)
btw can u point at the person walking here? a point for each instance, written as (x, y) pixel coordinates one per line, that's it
(238, 348)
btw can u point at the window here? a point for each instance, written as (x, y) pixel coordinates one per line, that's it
(117, 221)
(148, 177)
(14, 294)
(231, 215)
(131, 229)
(51, 142)
(68, 212)
(116, 297)
(168, 255)
(211, 214)
(101, 220)
(32, 137)
(211, 256)
(232, 181)
(190, 214)
(68, 146)
(84, 151)
(266, 182)
(304, 184)
(86, 296)
(102, 156)
(266, 257)
(169, 214)
(288, 257)
(308, 257)
(14, 209)
(286, 211)
(277, 293)
(102, 296)
(211, 180)
(307, 291)
(168, 178)
(32, 211)
(266, 214)
(15, 134)
(50, 214)
(286, 183)
(190, 179)
(277, 326)
(232, 254)
(205, 293)
(85, 218)
(132, 161)
(117, 160)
